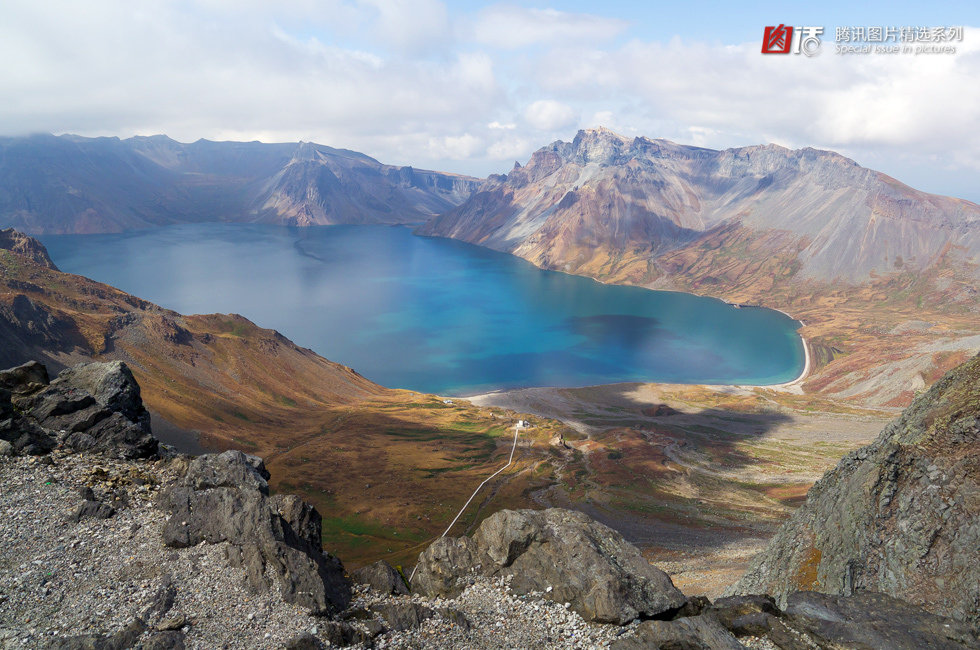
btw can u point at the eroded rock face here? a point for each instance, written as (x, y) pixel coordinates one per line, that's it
(224, 498)
(92, 406)
(566, 555)
(900, 516)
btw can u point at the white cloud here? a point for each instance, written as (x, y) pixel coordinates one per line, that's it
(549, 115)
(511, 27)
(456, 147)
(717, 95)
(410, 25)
(430, 86)
(512, 148)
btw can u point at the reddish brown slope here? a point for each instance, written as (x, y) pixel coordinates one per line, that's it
(387, 468)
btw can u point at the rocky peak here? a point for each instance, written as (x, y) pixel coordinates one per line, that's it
(25, 246)
(900, 516)
(93, 406)
(600, 146)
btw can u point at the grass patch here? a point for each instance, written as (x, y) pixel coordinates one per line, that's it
(354, 531)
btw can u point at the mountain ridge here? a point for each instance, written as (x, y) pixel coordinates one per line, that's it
(642, 197)
(72, 184)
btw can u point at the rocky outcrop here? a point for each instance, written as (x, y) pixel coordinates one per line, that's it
(93, 406)
(900, 516)
(564, 555)
(25, 246)
(225, 498)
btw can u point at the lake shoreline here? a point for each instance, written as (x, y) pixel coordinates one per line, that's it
(438, 315)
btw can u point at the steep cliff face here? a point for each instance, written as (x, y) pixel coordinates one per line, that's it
(901, 516)
(611, 206)
(71, 184)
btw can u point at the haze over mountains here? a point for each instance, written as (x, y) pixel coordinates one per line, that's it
(71, 184)
(603, 203)
(634, 210)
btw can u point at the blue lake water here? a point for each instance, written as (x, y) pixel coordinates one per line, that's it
(438, 315)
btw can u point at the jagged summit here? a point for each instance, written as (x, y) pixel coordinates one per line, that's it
(611, 206)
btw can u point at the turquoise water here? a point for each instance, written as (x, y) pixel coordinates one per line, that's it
(437, 315)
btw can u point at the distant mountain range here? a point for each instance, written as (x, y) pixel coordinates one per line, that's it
(627, 209)
(71, 184)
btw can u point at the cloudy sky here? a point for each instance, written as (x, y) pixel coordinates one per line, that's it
(473, 86)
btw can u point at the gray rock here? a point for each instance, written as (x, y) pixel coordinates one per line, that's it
(223, 498)
(111, 384)
(162, 599)
(121, 640)
(342, 634)
(566, 555)
(745, 615)
(92, 509)
(304, 641)
(229, 469)
(169, 640)
(21, 434)
(172, 622)
(455, 617)
(693, 606)
(382, 577)
(25, 378)
(403, 615)
(6, 449)
(871, 620)
(695, 633)
(756, 624)
(93, 406)
(901, 516)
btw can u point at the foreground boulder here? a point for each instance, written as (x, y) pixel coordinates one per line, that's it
(697, 633)
(900, 516)
(225, 498)
(565, 555)
(866, 621)
(90, 407)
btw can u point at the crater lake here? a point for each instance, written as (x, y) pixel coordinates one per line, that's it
(438, 315)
